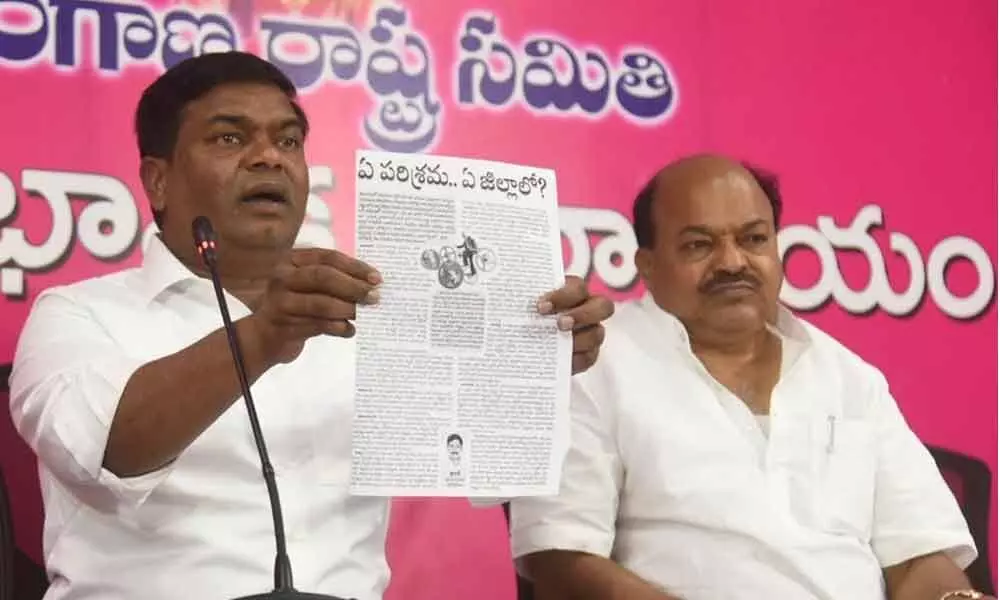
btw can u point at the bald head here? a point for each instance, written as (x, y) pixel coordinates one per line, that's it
(706, 227)
(696, 173)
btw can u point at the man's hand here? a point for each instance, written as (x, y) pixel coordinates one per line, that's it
(314, 291)
(582, 576)
(927, 577)
(582, 314)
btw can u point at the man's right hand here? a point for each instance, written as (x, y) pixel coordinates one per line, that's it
(314, 291)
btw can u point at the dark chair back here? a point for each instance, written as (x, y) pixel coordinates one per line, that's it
(20, 577)
(971, 481)
(7, 548)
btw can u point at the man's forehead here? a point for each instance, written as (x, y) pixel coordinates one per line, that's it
(726, 196)
(252, 101)
(721, 192)
(687, 175)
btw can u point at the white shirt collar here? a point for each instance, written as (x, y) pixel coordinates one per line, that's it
(161, 269)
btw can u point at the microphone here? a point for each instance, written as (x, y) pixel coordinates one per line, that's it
(205, 242)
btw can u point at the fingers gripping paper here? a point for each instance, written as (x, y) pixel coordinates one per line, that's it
(462, 387)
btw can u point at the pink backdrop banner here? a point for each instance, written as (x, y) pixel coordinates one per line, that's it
(880, 119)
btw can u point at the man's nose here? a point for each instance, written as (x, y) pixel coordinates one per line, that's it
(264, 154)
(730, 257)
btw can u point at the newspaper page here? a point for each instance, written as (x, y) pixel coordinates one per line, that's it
(462, 388)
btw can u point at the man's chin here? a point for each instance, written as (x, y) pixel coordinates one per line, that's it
(262, 234)
(738, 316)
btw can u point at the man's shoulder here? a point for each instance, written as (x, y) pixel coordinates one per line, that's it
(116, 288)
(71, 312)
(832, 350)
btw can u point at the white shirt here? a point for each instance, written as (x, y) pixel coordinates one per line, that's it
(671, 476)
(200, 528)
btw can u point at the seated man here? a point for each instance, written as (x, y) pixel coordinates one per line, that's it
(723, 448)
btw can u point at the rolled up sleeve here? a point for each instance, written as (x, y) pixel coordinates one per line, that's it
(915, 511)
(581, 516)
(67, 379)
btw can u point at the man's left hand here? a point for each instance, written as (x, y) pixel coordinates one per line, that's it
(582, 314)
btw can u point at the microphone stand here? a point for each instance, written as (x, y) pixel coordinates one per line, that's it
(204, 236)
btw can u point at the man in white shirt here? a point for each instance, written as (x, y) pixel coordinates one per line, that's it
(724, 449)
(124, 384)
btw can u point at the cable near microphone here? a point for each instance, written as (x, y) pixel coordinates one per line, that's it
(205, 242)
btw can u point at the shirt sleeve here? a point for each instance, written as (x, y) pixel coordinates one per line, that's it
(68, 376)
(915, 511)
(581, 516)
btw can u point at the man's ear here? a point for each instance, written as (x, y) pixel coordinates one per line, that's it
(153, 172)
(644, 263)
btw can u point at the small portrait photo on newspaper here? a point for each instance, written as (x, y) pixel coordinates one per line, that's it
(454, 458)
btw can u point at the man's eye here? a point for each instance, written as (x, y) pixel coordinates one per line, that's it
(291, 143)
(696, 245)
(228, 139)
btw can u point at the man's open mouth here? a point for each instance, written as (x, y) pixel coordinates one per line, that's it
(272, 195)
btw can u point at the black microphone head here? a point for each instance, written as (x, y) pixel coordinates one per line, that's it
(202, 229)
(204, 237)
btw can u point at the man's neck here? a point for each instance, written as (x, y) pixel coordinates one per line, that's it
(244, 273)
(730, 346)
(747, 364)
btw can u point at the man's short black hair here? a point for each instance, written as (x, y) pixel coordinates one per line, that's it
(454, 438)
(642, 208)
(158, 116)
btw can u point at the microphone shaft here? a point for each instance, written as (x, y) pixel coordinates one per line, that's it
(282, 565)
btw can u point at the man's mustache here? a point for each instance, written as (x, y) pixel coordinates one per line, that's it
(723, 279)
